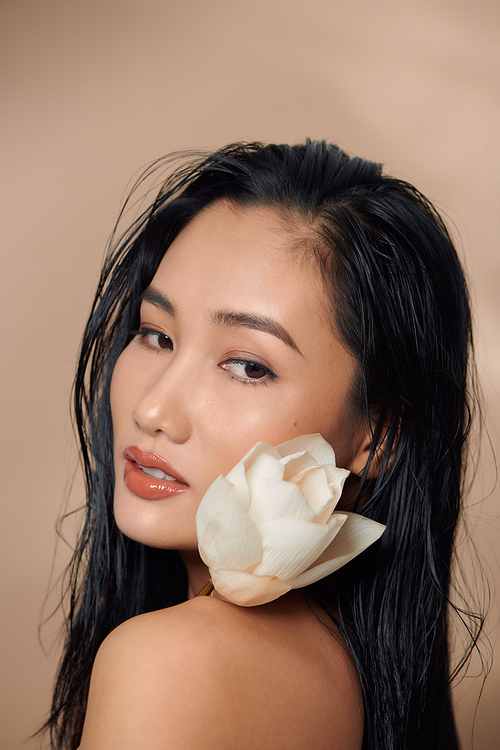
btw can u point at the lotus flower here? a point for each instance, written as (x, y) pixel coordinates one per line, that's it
(269, 526)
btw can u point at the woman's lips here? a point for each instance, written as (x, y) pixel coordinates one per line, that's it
(148, 475)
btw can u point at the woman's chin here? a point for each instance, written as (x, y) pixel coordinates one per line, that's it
(155, 526)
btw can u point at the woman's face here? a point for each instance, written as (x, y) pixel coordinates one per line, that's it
(235, 346)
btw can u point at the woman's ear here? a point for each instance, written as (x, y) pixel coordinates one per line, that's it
(363, 449)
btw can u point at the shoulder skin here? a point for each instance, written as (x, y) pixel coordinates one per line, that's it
(207, 674)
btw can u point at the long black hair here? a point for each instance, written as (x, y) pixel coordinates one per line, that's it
(399, 301)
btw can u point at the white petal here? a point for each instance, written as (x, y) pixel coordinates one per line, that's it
(252, 455)
(315, 573)
(245, 589)
(265, 466)
(356, 534)
(274, 500)
(296, 463)
(336, 477)
(291, 546)
(314, 485)
(313, 444)
(237, 475)
(237, 478)
(227, 537)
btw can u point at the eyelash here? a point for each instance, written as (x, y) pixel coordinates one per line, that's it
(145, 333)
(268, 374)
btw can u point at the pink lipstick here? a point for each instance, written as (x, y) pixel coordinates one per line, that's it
(148, 475)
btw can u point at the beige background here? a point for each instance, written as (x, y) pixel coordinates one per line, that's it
(92, 91)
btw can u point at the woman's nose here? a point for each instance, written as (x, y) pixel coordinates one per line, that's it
(164, 405)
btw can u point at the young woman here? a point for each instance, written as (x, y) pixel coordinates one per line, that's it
(269, 292)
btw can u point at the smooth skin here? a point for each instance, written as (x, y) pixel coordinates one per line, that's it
(235, 346)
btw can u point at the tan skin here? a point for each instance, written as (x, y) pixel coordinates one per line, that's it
(206, 673)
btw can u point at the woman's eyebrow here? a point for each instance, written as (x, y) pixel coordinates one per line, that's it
(158, 299)
(227, 318)
(257, 322)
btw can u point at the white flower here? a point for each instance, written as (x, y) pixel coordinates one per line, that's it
(269, 526)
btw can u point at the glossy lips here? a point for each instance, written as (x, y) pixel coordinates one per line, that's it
(160, 482)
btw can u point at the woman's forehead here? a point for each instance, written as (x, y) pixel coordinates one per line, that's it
(243, 257)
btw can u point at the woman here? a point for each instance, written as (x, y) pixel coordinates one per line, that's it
(269, 292)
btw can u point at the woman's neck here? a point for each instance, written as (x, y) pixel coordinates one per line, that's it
(197, 571)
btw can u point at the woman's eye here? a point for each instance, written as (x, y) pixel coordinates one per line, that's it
(248, 371)
(154, 339)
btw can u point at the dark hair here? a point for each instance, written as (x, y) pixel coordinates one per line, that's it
(400, 304)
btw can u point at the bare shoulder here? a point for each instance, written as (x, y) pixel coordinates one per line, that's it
(209, 674)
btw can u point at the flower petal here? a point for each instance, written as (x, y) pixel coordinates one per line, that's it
(315, 573)
(252, 455)
(265, 466)
(314, 485)
(238, 474)
(355, 535)
(296, 463)
(271, 500)
(313, 444)
(290, 546)
(227, 537)
(336, 477)
(245, 589)
(237, 478)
